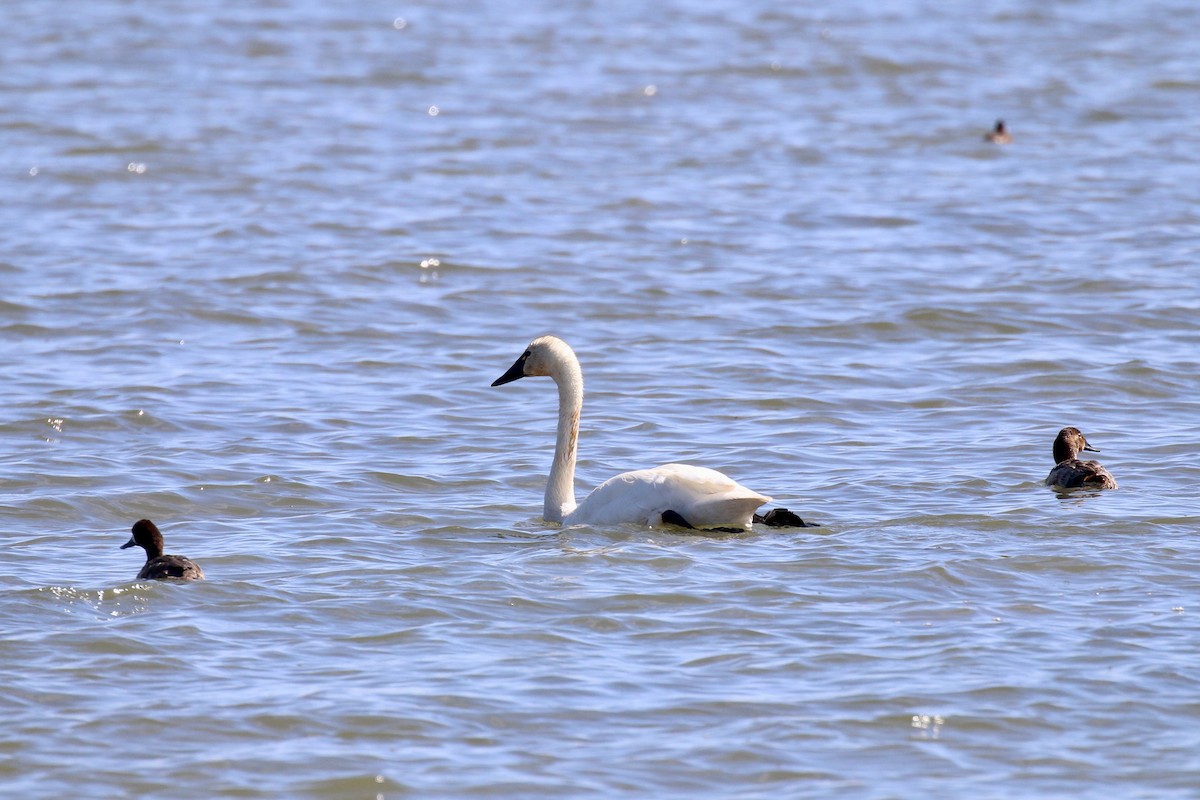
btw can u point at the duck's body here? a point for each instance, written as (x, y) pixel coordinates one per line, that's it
(691, 496)
(998, 134)
(1070, 472)
(159, 566)
(168, 566)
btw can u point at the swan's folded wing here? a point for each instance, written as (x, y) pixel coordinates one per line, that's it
(704, 497)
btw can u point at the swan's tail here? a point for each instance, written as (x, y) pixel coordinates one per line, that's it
(723, 512)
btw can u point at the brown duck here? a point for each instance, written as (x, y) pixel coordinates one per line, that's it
(1069, 472)
(998, 134)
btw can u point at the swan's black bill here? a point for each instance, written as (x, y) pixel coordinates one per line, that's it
(130, 543)
(517, 370)
(1093, 449)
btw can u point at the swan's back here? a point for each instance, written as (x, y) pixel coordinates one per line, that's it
(704, 497)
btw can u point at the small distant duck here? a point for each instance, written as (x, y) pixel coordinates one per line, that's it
(1069, 472)
(158, 566)
(999, 134)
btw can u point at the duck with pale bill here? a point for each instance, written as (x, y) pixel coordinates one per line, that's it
(159, 566)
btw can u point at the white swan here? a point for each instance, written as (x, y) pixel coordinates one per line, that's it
(686, 495)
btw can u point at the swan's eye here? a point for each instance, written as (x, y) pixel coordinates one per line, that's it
(525, 354)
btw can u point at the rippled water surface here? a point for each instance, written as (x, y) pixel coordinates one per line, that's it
(260, 263)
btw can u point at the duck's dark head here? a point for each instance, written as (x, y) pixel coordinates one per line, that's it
(146, 536)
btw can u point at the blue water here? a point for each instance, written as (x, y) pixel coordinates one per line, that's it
(261, 264)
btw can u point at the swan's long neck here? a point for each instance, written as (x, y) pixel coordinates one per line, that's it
(560, 488)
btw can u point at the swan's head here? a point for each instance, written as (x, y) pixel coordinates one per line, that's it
(546, 355)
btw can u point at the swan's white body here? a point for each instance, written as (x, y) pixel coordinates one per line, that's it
(703, 497)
